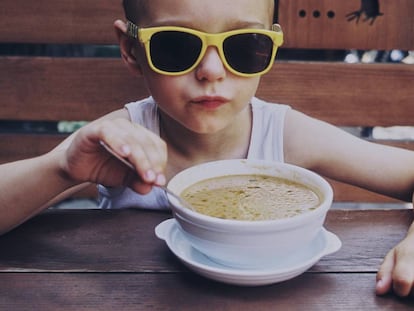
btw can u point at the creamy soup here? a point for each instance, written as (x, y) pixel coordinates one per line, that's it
(250, 197)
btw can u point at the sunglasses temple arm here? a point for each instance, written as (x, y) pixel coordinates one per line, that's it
(132, 30)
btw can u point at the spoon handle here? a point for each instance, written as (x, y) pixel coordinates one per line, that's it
(112, 152)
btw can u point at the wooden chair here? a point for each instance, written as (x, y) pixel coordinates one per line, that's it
(37, 88)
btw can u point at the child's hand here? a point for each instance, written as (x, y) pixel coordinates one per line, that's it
(87, 160)
(397, 269)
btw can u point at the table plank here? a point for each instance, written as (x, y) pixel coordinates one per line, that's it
(187, 291)
(87, 240)
(366, 237)
(124, 241)
(111, 260)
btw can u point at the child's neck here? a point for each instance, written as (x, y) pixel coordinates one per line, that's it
(186, 148)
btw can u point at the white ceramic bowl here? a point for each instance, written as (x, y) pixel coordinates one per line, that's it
(249, 244)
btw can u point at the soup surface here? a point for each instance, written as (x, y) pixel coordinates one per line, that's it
(250, 197)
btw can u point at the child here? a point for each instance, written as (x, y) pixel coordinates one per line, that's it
(202, 109)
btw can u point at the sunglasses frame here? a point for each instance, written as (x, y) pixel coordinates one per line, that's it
(143, 35)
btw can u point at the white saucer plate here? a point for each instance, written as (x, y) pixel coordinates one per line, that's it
(286, 268)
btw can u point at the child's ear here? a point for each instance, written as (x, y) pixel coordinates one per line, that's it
(127, 48)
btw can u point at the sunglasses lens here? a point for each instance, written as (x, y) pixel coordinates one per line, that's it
(248, 53)
(174, 51)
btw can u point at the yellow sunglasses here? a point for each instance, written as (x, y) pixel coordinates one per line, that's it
(178, 50)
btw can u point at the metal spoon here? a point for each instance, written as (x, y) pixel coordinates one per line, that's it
(172, 197)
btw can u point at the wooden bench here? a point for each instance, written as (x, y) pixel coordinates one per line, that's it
(38, 88)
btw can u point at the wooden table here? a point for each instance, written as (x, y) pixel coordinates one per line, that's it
(111, 260)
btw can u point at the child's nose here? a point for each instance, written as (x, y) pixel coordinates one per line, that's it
(211, 66)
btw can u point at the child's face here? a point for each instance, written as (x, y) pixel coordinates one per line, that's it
(209, 98)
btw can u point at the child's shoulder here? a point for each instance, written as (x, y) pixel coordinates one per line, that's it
(143, 112)
(142, 104)
(259, 104)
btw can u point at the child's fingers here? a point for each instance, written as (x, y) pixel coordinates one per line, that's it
(149, 155)
(396, 272)
(403, 274)
(145, 150)
(384, 275)
(155, 153)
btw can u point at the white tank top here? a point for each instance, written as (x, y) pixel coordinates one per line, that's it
(266, 143)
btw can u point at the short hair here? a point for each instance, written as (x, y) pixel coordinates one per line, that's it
(135, 9)
(132, 9)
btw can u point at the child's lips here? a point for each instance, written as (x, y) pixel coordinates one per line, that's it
(210, 102)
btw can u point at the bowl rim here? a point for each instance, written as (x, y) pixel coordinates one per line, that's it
(207, 221)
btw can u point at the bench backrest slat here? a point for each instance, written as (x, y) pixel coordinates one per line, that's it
(65, 88)
(46, 21)
(90, 87)
(324, 24)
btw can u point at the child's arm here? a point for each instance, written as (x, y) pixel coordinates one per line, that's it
(29, 186)
(386, 170)
(336, 154)
(26, 186)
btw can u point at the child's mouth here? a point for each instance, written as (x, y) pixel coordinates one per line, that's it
(210, 102)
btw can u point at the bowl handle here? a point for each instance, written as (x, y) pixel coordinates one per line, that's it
(333, 243)
(163, 229)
